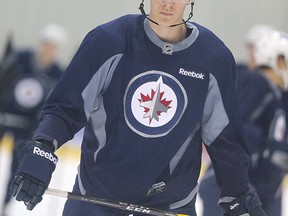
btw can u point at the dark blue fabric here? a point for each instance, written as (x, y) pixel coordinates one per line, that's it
(80, 208)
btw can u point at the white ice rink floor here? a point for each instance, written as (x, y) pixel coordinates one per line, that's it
(63, 178)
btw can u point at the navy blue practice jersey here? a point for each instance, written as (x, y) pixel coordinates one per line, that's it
(147, 106)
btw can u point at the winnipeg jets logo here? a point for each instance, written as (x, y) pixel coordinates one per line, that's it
(157, 103)
(154, 103)
(28, 93)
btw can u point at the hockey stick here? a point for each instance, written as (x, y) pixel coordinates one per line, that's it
(109, 203)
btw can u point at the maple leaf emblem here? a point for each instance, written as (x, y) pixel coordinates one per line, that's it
(154, 104)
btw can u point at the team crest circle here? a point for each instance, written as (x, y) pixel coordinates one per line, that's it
(154, 102)
(28, 93)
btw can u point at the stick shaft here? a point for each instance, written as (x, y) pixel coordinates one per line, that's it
(109, 203)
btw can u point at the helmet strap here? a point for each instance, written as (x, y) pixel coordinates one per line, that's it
(141, 8)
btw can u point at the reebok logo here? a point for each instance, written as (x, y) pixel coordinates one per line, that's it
(47, 155)
(234, 206)
(191, 74)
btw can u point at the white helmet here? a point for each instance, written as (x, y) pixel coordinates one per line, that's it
(269, 48)
(54, 33)
(256, 32)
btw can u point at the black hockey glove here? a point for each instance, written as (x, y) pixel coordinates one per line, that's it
(36, 165)
(245, 205)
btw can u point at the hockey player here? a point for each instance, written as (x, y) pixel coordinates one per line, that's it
(148, 89)
(253, 35)
(271, 55)
(27, 77)
(264, 122)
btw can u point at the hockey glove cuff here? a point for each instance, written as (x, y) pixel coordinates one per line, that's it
(245, 205)
(36, 165)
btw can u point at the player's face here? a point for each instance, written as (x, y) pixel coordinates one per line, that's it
(251, 58)
(167, 12)
(47, 52)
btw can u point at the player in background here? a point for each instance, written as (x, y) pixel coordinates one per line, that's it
(148, 89)
(271, 54)
(263, 113)
(27, 78)
(253, 35)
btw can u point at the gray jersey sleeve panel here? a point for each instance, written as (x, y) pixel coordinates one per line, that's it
(93, 100)
(98, 84)
(98, 120)
(215, 118)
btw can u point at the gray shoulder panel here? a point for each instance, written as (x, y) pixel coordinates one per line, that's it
(98, 84)
(215, 118)
(93, 100)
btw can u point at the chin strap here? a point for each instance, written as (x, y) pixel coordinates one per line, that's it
(141, 8)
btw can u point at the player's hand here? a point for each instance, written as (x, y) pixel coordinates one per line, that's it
(36, 165)
(27, 189)
(247, 204)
